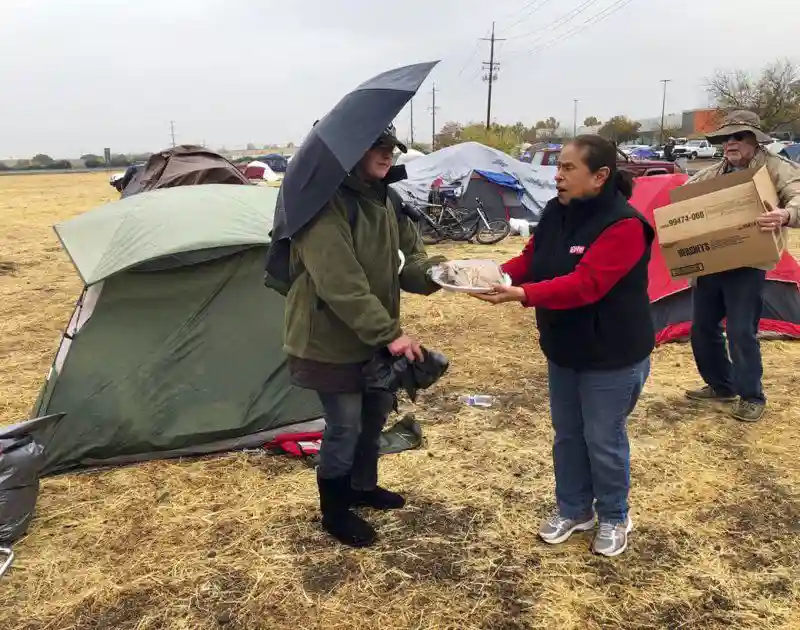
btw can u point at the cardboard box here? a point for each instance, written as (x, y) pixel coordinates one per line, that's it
(711, 226)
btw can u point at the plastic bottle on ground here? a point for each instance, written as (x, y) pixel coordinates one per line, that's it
(477, 400)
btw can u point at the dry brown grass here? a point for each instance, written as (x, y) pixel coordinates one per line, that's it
(233, 542)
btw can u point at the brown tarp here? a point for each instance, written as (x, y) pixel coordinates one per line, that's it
(184, 165)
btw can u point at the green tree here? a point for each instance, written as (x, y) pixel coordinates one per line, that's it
(547, 128)
(773, 93)
(505, 138)
(591, 121)
(620, 129)
(119, 160)
(449, 135)
(41, 159)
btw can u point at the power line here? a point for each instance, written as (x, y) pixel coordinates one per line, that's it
(595, 19)
(560, 21)
(467, 63)
(539, 4)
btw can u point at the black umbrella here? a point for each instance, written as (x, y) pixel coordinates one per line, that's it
(338, 141)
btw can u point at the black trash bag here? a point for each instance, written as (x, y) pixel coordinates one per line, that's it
(387, 373)
(21, 461)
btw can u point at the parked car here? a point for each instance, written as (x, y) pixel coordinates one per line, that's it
(695, 149)
(636, 167)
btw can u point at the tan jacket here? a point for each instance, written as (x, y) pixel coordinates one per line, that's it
(785, 175)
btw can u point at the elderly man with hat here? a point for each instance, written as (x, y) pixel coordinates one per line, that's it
(738, 294)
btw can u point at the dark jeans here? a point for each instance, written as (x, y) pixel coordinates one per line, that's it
(591, 453)
(351, 441)
(739, 296)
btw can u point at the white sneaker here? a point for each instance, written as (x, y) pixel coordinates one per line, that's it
(557, 529)
(612, 538)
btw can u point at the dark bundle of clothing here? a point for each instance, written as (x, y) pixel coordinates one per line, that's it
(21, 461)
(387, 373)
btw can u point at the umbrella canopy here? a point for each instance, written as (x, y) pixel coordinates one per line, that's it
(339, 140)
(152, 225)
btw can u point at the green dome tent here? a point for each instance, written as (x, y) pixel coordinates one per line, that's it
(175, 345)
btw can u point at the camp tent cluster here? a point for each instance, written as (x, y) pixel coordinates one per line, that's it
(505, 186)
(175, 346)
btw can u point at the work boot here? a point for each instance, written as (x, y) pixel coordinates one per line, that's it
(748, 411)
(709, 394)
(337, 519)
(378, 499)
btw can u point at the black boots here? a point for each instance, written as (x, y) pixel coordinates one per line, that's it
(348, 528)
(378, 499)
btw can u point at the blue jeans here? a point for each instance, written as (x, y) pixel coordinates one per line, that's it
(591, 454)
(738, 295)
(351, 440)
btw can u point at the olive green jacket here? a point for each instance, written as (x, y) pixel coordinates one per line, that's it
(345, 301)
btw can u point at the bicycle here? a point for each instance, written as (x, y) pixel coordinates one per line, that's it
(456, 224)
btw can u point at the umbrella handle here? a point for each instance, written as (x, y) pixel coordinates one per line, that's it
(5, 551)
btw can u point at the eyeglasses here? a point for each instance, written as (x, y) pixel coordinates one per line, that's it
(739, 136)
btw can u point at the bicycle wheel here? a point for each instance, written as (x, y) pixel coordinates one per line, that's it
(494, 232)
(465, 225)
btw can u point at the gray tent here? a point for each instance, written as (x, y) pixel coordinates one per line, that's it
(175, 345)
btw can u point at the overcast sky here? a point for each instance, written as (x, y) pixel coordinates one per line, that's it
(80, 75)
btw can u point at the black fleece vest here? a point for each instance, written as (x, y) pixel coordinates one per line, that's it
(616, 331)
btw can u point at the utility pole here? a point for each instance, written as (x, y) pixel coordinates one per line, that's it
(411, 103)
(491, 73)
(433, 119)
(664, 106)
(575, 120)
(172, 131)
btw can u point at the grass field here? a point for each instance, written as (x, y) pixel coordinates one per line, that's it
(234, 542)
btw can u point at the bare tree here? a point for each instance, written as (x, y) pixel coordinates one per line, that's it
(773, 93)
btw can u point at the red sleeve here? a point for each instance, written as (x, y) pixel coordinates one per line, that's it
(519, 267)
(615, 252)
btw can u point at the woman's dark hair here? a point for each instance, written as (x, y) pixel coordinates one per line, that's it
(598, 153)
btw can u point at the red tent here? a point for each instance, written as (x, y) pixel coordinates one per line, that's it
(672, 299)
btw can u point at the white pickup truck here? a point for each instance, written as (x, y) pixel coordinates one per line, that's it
(695, 149)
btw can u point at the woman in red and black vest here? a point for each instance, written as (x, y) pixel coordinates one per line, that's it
(585, 272)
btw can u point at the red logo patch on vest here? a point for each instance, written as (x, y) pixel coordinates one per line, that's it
(577, 249)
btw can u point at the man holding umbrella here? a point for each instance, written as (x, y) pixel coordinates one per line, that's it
(350, 253)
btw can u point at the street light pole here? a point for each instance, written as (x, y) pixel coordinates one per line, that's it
(664, 106)
(575, 119)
